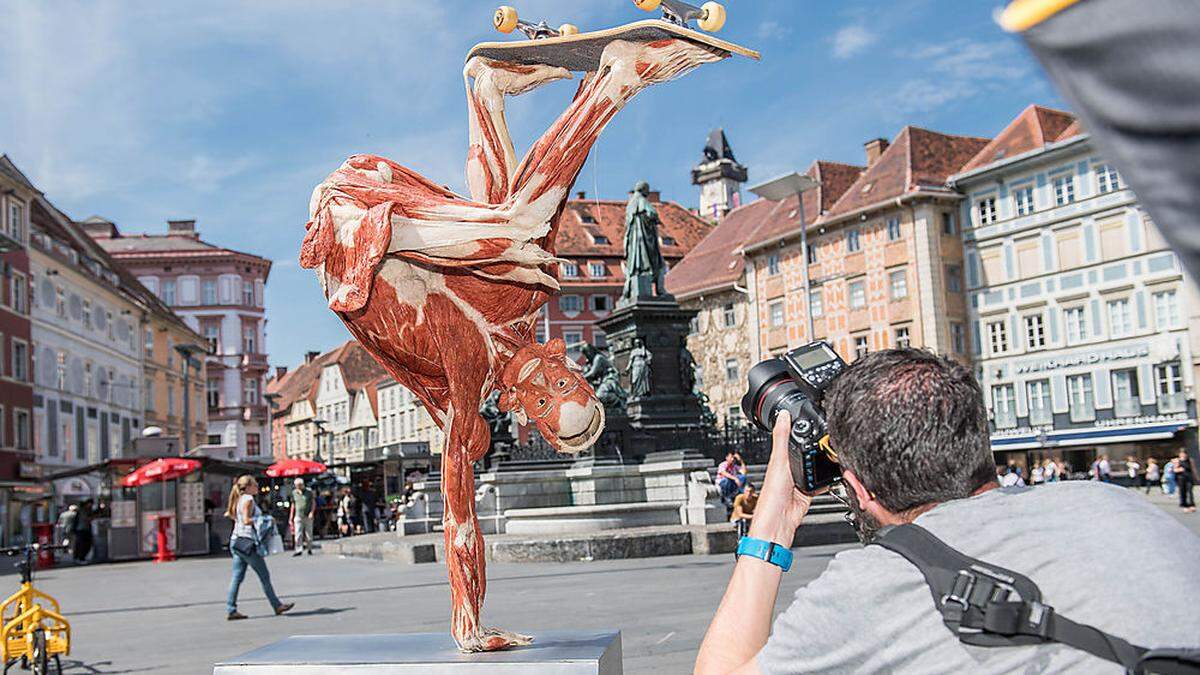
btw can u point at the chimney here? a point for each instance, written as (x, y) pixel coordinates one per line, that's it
(182, 228)
(581, 195)
(280, 371)
(99, 228)
(875, 147)
(655, 196)
(309, 356)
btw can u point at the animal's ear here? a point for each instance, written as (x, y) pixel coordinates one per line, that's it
(352, 263)
(556, 347)
(317, 240)
(510, 403)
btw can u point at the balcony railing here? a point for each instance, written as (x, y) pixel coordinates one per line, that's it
(1172, 403)
(254, 360)
(1127, 407)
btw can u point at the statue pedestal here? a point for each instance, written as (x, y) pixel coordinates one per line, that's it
(654, 419)
(559, 652)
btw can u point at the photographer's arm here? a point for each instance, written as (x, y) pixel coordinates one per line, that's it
(743, 620)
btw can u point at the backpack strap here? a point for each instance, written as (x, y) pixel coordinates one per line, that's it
(990, 606)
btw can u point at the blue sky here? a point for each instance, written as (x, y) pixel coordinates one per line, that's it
(230, 113)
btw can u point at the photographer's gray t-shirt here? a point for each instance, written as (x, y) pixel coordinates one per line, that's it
(1101, 555)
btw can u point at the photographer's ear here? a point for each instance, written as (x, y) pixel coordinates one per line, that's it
(861, 493)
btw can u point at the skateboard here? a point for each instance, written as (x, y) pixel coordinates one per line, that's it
(568, 48)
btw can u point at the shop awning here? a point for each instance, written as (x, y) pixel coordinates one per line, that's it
(1089, 437)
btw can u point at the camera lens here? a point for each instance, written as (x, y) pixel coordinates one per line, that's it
(771, 389)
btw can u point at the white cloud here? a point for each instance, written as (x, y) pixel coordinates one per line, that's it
(772, 30)
(852, 40)
(946, 73)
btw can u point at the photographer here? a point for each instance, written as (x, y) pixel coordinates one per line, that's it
(911, 435)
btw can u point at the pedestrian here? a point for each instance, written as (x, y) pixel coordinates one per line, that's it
(304, 506)
(1012, 477)
(1038, 474)
(81, 544)
(1184, 479)
(1169, 477)
(1105, 469)
(1131, 470)
(743, 509)
(1050, 471)
(347, 513)
(66, 526)
(727, 479)
(1153, 475)
(243, 546)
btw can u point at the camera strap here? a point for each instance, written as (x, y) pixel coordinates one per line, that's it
(989, 606)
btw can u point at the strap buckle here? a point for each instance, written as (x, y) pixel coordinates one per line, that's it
(960, 592)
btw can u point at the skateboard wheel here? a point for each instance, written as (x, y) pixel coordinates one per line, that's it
(568, 29)
(647, 5)
(714, 16)
(505, 19)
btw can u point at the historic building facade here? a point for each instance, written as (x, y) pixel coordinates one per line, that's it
(219, 293)
(1080, 313)
(883, 261)
(403, 419)
(17, 196)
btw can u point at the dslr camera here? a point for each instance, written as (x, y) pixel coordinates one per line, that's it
(796, 382)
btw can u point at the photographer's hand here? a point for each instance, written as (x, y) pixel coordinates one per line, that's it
(781, 506)
(745, 611)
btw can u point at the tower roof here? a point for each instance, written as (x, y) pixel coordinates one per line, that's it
(718, 160)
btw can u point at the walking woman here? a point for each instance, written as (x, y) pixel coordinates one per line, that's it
(244, 547)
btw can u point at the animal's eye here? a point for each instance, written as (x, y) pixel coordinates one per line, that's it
(562, 382)
(541, 402)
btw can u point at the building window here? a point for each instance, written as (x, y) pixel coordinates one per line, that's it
(249, 340)
(986, 208)
(728, 315)
(148, 394)
(20, 360)
(601, 303)
(1035, 332)
(16, 220)
(212, 393)
(1076, 325)
(893, 229)
(1023, 200)
(858, 294)
(597, 269)
(898, 284)
(170, 400)
(998, 336)
(570, 304)
(1038, 393)
(21, 428)
(1169, 381)
(1079, 396)
(18, 293)
(87, 314)
(811, 256)
(1064, 189)
(574, 340)
(902, 339)
(60, 303)
(948, 223)
(775, 309)
(773, 264)
(732, 371)
(599, 338)
(1120, 321)
(570, 270)
(208, 292)
(250, 392)
(168, 292)
(1004, 406)
(212, 335)
(1125, 393)
(1107, 179)
(1166, 310)
(861, 348)
(954, 278)
(815, 303)
(253, 445)
(958, 338)
(852, 240)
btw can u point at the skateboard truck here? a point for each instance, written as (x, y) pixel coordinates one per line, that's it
(506, 20)
(710, 16)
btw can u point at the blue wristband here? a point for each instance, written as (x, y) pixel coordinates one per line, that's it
(780, 556)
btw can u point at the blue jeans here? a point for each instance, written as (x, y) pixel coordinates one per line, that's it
(259, 565)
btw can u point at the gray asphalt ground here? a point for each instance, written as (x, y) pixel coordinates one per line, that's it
(170, 618)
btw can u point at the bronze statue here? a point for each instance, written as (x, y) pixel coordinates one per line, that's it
(644, 266)
(604, 378)
(639, 370)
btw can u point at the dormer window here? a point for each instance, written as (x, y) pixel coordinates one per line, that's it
(587, 218)
(570, 270)
(598, 239)
(597, 269)
(668, 241)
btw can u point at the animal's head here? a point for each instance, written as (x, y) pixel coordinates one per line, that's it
(541, 385)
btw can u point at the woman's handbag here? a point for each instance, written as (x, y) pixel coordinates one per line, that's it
(244, 545)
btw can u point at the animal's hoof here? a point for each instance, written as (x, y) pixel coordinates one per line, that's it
(494, 640)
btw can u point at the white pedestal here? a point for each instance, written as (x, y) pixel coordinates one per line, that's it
(552, 653)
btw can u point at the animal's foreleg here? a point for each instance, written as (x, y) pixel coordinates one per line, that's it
(491, 159)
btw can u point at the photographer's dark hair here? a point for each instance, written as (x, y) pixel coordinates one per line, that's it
(912, 426)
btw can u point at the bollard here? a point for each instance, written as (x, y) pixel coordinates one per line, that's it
(165, 554)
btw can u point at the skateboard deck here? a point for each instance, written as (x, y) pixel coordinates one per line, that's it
(581, 52)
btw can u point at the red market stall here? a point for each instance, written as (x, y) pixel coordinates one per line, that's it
(158, 471)
(289, 468)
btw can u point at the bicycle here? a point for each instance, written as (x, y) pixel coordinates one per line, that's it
(34, 630)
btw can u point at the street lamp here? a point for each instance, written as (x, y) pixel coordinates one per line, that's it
(777, 190)
(187, 351)
(320, 424)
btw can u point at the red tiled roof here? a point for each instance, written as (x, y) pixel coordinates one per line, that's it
(1034, 128)
(717, 260)
(834, 179)
(359, 371)
(1070, 132)
(586, 219)
(916, 159)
